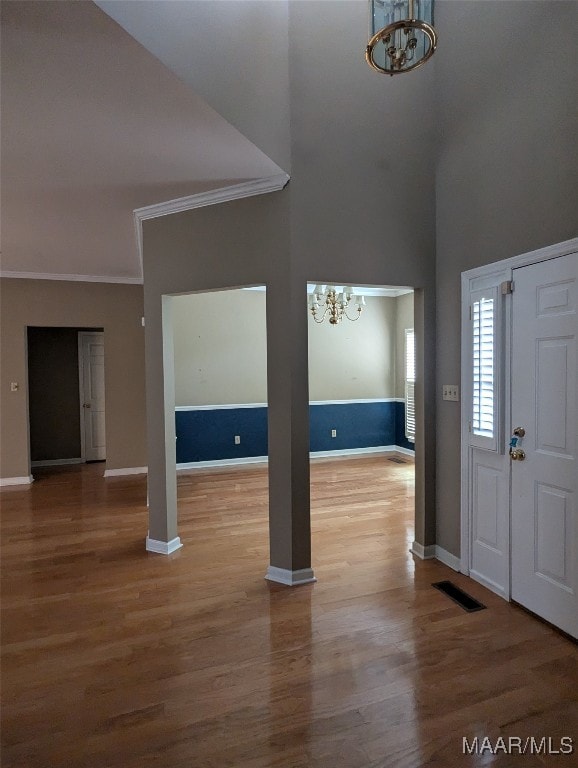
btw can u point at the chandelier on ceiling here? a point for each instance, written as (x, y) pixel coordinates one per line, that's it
(402, 36)
(327, 301)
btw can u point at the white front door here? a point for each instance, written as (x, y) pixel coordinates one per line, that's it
(544, 398)
(91, 365)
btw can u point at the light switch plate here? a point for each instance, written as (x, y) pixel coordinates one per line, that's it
(451, 392)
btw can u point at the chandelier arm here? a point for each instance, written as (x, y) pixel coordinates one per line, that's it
(353, 319)
(314, 314)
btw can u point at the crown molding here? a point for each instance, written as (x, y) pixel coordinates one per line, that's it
(71, 278)
(251, 188)
(214, 196)
(274, 183)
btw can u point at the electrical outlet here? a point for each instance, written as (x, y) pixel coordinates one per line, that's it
(237, 439)
(333, 433)
(14, 386)
(451, 392)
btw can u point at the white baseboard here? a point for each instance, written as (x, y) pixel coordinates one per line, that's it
(375, 450)
(28, 480)
(353, 451)
(447, 558)
(378, 449)
(55, 462)
(125, 471)
(290, 578)
(424, 553)
(406, 451)
(163, 547)
(222, 462)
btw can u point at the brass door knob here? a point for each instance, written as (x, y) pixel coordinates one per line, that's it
(86, 405)
(517, 454)
(519, 431)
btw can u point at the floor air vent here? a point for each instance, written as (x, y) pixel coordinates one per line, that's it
(465, 601)
(396, 460)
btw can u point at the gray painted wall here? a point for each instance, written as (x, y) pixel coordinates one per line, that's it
(114, 307)
(245, 242)
(506, 177)
(360, 207)
(362, 186)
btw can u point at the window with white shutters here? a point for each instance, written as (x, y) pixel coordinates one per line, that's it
(483, 401)
(485, 368)
(410, 385)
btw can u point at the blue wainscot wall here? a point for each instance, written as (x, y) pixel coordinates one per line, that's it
(207, 433)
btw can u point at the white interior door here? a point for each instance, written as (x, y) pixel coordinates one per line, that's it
(544, 397)
(91, 358)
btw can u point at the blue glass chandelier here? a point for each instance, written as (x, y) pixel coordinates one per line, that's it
(402, 36)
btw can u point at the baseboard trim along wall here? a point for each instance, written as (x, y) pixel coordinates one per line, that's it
(125, 471)
(405, 451)
(447, 558)
(435, 552)
(55, 462)
(290, 578)
(375, 450)
(5, 481)
(378, 449)
(163, 547)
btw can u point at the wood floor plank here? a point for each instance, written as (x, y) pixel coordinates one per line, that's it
(113, 657)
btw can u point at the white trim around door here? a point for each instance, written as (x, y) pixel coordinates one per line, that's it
(496, 275)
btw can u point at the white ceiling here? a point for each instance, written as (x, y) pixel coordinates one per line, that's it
(94, 126)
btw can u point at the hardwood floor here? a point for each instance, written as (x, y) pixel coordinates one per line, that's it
(114, 657)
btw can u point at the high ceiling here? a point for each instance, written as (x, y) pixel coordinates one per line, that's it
(93, 127)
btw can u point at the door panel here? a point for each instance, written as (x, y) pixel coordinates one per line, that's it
(552, 376)
(92, 365)
(490, 534)
(551, 526)
(544, 547)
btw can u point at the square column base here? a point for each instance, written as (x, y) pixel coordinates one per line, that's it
(163, 547)
(290, 578)
(424, 553)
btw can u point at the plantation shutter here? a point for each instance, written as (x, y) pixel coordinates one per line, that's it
(410, 385)
(486, 368)
(483, 400)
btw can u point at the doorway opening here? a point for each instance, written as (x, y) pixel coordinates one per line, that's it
(66, 395)
(219, 352)
(362, 411)
(220, 378)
